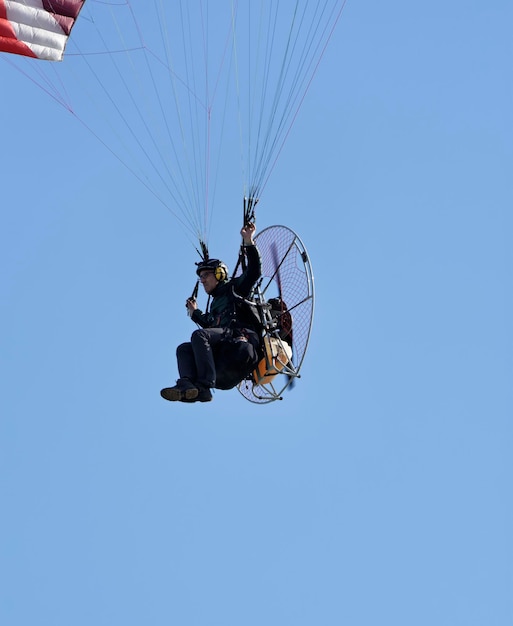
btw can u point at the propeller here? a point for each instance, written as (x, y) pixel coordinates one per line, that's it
(284, 318)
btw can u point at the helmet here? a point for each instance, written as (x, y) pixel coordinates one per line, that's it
(213, 265)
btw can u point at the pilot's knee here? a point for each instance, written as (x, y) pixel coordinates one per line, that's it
(183, 348)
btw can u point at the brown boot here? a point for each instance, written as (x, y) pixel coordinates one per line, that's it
(184, 390)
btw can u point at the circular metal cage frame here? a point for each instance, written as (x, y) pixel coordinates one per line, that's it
(286, 273)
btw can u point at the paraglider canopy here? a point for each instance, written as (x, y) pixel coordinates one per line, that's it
(38, 29)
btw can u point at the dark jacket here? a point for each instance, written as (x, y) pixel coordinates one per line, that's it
(223, 310)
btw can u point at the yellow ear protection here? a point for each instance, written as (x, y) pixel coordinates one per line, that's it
(221, 272)
(214, 265)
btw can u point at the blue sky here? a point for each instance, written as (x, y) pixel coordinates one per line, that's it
(379, 490)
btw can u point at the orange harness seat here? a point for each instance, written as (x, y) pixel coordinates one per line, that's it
(277, 355)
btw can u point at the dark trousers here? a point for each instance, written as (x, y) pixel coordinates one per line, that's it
(196, 358)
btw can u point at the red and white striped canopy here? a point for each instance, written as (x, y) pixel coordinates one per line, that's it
(37, 28)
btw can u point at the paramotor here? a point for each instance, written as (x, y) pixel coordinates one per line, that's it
(190, 95)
